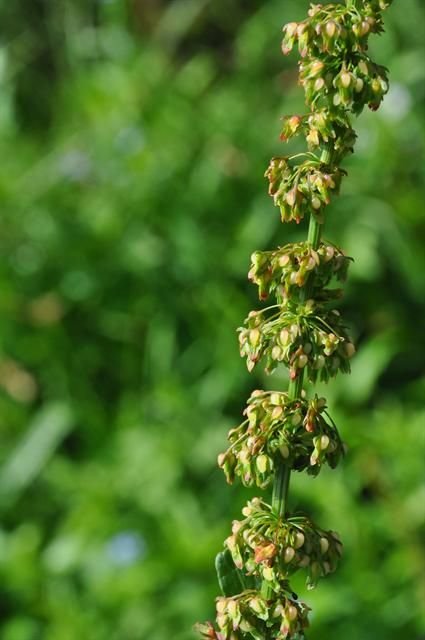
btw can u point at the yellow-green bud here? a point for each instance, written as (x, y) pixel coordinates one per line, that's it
(277, 413)
(363, 67)
(330, 28)
(277, 352)
(275, 398)
(319, 362)
(284, 337)
(299, 540)
(290, 28)
(324, 545)
(350, 349)
(232, 608)
(262, 463)
(256, 605)
(221, 605)
(288, 555)
(296, 419)
(302, 361)
(316, 203)
(359, 85)
(283, 260)
(292, 613)
(345, 79)
(254, 337)
(324, 442)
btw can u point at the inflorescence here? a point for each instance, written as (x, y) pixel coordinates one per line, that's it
(289, 431)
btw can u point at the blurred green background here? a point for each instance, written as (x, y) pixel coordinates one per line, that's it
(133, 138)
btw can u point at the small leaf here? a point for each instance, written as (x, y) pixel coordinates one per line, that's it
(229, 577)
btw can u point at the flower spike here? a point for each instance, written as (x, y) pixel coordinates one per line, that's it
(284, 431)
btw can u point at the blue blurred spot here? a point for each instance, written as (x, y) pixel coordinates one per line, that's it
(125, 548)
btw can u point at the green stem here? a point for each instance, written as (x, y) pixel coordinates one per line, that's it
(314, 232)
(280, 489)
(315, 227)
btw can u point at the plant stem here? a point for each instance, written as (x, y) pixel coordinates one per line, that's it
(280, 489)
(314, 227)
(314, 232)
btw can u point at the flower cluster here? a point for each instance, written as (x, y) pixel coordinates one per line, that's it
(335, 71)
(305, 336)
(286, 269)
(302, 188)
(351, 84)
(319, 128)
(265, 545)
(277, 427)
(288, 431)
(334, 30)
(252, 615)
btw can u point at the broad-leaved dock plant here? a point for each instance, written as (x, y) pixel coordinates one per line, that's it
(292, 430)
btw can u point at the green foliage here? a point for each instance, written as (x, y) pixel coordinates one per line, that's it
(124, 235)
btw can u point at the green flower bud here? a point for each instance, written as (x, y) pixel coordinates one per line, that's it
(284, 260)
(291, 196)
(288, 555)
(302, 361)
(262, 463)
(316, 68)
(277, 353)
(346, 79)
(324, 545)
(232, 608)
(292, 613)
(236, 525)
(319, 362)
(222, 621)
(254, 337)
(330, 28)
(276, 398)
(290, 28)
(257, 605)
(307, 348)
(324, 442)
(358, 86)
(363, 67)
(365, 28)
(296, 419)
(357, 29)
(277, 413)
(350, 349)
(221, 459)
(299, 540)
(221, 605)
(316, 203)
